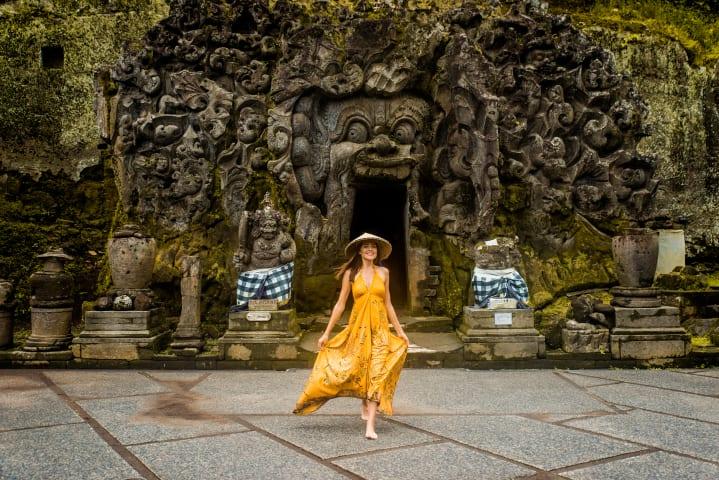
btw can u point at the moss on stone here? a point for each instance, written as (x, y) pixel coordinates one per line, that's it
(694, 26)
(588, 264)
(448, 252)
(550, 320)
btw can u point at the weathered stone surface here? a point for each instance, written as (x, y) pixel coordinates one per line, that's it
(116, 324)
(482, 318)
(585, 341)
(661, 317)
(642, 344)
(187, 336)
(281, 323)
(119, 348)
(484, 339)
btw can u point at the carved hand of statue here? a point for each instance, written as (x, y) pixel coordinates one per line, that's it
(240, 258)
(286, 256)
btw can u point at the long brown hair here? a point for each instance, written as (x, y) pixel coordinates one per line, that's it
(354, 263)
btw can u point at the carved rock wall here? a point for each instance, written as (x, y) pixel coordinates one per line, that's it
(684, 123)
(244, 154)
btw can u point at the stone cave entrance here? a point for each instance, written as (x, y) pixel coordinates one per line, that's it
(382, 209)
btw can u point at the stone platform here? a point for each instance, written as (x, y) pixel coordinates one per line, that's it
(501, 334)
(648, 332)
(121, 335)
(261, 335)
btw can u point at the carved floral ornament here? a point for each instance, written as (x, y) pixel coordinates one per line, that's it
(459, 114)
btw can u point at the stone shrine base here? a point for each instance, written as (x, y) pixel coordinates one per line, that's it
(121, 335)
(261, 335)
(501, 334)
(644, 333)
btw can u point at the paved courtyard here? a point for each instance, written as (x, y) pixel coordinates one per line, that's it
(448, 424)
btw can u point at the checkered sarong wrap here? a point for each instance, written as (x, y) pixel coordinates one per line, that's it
(506, 283)
(273, 283)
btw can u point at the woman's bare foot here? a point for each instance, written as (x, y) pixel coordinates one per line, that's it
(369, 432)
(370, 435)
(364, 414)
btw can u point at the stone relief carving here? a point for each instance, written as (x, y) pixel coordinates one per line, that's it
(518, 101)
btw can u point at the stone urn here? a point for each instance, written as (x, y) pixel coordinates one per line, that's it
(132, 258)
(51, 304)
(635, 254)
(5, 313)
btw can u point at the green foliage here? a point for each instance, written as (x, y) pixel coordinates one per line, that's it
(694, 24)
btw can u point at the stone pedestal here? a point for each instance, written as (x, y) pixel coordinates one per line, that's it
(50, 329)
(646, 332)
(261, 335)
(501, 334)
(595, 340)
(5, 327)
(6, 313)
(118, 335)
(50, 304)
(187, 339)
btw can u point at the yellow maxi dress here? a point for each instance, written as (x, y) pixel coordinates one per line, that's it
(364, 360)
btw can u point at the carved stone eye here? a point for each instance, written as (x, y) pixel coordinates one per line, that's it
(357, 132)
(404, 133)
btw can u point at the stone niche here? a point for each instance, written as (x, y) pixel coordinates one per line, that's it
(406, 123)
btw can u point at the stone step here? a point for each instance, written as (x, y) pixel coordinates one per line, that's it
(433, 350)
(409, 323)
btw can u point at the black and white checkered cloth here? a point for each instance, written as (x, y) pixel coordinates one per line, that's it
(507, 283)
(272, 283)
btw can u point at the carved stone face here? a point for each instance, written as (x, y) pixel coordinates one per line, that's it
(269, 228)
(376, 137)
(250, 125)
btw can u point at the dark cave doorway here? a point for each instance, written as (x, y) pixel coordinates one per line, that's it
(382, 209)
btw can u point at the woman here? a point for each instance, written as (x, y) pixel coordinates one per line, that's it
(363, 360)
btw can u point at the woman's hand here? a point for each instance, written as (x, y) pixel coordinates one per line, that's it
(323, 339)
(404, 337)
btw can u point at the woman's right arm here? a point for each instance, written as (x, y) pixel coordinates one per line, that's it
(338, 309)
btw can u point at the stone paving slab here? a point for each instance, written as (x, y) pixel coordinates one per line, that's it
(176, 375)
(26, 401)
(585, 381)
(242, 456)
(243, 392)
(237, 424)
(710, 372)
(143, 419)
(541, 445)
(448, 462)
(691, 437)
(661, 378)
(62, 452)
(491, 392)
(660, 400)
(330, 436)
(650, 466)
(98, 383)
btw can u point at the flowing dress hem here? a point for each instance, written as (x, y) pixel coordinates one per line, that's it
(315, 404)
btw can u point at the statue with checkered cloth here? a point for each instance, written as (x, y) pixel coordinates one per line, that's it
(495, 281)
(265, 256)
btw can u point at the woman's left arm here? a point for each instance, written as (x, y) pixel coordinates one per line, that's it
(390, 309)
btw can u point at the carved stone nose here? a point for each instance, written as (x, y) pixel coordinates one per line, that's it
(382, 145)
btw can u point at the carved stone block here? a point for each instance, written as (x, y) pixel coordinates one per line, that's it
(585, 341)
(502, 334)
(121, 335)
(662, 317)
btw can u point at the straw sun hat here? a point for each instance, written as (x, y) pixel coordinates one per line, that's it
(384, 248)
